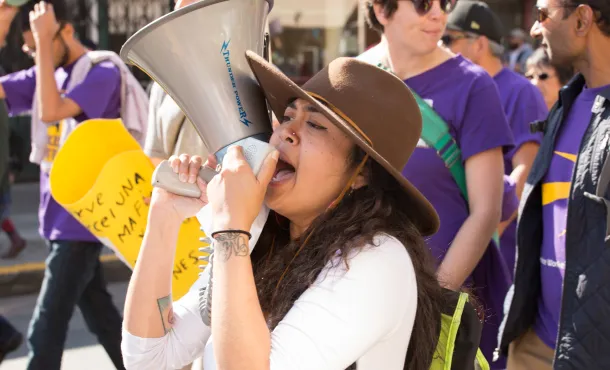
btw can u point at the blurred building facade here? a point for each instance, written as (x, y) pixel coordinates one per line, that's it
(305, 35)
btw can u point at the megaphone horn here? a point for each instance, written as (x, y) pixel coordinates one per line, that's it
(197, 55)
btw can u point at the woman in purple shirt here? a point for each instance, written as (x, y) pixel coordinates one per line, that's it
(465, 96)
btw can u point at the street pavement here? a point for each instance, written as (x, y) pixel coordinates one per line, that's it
(20, 282)
(23, 274)
(82, 352)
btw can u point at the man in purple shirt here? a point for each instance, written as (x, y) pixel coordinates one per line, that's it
(476, 32)
(558, 316)
(73, 274)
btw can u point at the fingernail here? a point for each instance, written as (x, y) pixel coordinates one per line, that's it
(192, 179)
(275, 155)
(183, 177)
(175, 168)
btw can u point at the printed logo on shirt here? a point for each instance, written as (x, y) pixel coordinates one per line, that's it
(554, 191)
(552, 263)
(558, 191)
(53, 138)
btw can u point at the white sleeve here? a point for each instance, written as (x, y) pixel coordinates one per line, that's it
(186, 341)
(178, 348)
(345, 313)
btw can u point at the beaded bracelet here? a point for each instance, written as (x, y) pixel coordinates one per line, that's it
(232, 231)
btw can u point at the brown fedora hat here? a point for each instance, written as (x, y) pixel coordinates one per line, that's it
(387, 130)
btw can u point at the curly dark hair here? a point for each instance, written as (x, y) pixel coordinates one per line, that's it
(601, 8)
(380, 207)
(389, 7)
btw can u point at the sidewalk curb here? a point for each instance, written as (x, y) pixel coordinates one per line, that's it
(26, 278)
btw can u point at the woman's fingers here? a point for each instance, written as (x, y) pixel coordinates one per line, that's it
(234, 159)
(183, 171)
(268, 168)
(174, 162)
(194, 167)
(211, 161)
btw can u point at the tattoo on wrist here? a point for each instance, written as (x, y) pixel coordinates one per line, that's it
(167, 313)
(231, 244)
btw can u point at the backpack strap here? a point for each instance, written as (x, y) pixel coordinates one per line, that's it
(435, 133)
(456, 319)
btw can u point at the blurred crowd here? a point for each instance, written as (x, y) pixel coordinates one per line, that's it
(518, 175)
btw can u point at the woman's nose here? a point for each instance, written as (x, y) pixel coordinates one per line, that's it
(436, 10)
(288, 134)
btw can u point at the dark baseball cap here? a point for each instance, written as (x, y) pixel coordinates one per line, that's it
(476, 17)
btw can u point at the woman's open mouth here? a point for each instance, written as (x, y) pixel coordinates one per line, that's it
(283, 171)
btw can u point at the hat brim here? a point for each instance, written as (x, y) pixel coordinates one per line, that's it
(279, 91)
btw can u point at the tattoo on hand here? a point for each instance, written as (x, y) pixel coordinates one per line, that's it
(228, 244)
(167, 313)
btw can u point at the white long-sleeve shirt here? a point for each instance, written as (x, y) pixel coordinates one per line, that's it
(363, 314)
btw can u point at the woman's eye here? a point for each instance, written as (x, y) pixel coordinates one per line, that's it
(316, 127)
(285, 119)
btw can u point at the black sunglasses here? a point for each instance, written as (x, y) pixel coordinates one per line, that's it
(542, 14)
(423, 7)
(447, 40)
(542, 76)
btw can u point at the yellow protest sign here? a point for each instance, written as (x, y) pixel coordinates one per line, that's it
(101, 176)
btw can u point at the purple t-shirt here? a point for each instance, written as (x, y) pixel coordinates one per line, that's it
(465, 96)
(523, 104)
(555, 194)
(98, 96)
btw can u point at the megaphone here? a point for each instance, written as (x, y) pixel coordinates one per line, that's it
(197, 55)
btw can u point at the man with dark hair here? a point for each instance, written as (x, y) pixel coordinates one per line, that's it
(60, 93)
(558, 316)
(476, 32)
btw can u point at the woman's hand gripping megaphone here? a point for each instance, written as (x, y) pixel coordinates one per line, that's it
(255, 152)
(166, 178)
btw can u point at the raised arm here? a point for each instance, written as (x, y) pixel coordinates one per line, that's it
(149, 311)
(53, 107)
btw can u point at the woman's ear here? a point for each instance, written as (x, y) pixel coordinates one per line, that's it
(68, 31)
(380, 14)
(360, 181)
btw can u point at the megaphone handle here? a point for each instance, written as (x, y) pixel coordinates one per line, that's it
(164, 177)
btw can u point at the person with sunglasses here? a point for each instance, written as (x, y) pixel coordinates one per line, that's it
(546, 76)
(476, 32)
(466, 98)
(558, 312)
(519, 50)
(73, 272)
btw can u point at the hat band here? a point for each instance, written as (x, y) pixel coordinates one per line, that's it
(344, 116)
